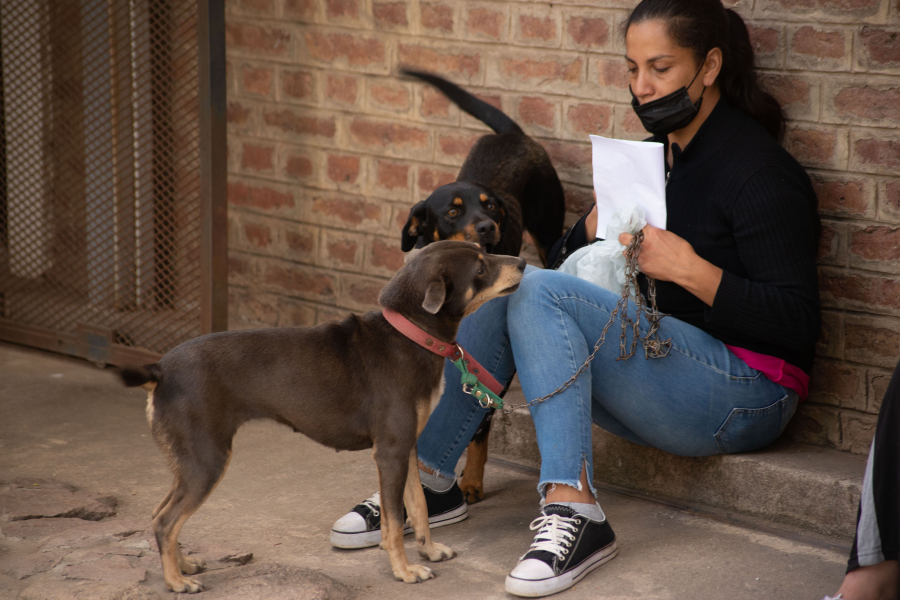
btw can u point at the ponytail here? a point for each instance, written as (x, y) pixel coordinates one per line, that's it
(701, 25)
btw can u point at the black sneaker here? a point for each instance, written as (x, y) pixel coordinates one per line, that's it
(567, 547)
(361, 527)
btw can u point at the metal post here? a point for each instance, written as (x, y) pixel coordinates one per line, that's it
(213, 155)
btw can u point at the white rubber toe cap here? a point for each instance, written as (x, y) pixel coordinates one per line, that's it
(532, 569)
(352, 522)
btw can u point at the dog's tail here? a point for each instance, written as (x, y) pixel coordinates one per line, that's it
(490, 115)
(136, 376)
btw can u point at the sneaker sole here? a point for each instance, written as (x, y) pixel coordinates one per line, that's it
(535, 588)
(367, 539)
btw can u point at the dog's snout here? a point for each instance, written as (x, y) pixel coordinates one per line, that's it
(486, 228)
(521, 264)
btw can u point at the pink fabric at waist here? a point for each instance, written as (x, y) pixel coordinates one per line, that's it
(776, 369)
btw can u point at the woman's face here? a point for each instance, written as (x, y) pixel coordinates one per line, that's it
(657, 66)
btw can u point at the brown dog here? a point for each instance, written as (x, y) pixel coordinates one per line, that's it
(355, 384)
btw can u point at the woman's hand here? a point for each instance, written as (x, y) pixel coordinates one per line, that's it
(667, 257)
(590, 223)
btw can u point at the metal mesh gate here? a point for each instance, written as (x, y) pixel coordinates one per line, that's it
(107, 168)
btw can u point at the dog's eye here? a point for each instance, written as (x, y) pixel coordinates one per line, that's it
(452, 212)
(481, 269)
(490, 206)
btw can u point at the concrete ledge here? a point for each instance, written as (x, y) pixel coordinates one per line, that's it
(816, 489)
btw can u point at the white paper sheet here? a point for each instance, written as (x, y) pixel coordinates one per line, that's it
(627, 172)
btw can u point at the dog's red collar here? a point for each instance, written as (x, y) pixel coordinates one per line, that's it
(450, 350)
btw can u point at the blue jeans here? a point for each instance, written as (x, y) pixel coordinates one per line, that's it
(700, 400)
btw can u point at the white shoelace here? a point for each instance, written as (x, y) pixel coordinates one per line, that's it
(374, 503)
(555, 535)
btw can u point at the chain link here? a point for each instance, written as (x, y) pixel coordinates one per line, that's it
(653, 346)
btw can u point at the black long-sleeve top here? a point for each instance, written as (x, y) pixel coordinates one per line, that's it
(748, 207)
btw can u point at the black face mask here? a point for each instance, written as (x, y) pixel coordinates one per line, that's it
(669, 113)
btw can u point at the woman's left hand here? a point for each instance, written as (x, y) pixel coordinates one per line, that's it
(668, 257)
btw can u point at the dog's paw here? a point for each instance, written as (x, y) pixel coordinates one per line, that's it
(437, 552)
(473, 491)
(192, 565)
(185, 585)
(415, 574)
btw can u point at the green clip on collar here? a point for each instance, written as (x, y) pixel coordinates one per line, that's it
(470, 385)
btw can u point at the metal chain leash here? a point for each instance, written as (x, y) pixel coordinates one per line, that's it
(653, 346)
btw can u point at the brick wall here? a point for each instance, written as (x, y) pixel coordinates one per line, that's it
(328, 149)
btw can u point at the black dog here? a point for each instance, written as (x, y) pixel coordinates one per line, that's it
(351, 385)
(505, 183)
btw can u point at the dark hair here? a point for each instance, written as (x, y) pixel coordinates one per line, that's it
(701, 25)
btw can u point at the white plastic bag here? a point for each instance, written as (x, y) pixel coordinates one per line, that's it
(603, 263)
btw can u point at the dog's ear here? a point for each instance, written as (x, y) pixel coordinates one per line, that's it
(414, 226)
(435, 296)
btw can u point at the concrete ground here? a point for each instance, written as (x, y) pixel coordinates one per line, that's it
(63, 420)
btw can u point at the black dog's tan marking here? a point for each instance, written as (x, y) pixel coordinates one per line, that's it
(350, 385)
(506, 182)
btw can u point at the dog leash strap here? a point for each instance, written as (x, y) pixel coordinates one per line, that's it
(449, 350)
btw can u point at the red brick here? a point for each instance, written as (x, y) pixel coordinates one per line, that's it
(297, 84)
(830, 342)
(432, 179)
(299, 242)
(537, 28)
(264, 40)
(352, 212)
(423, 57)
(371, 133)
(257, 81)
(880, 153)
(568, 155)
(342, 251)
(356, 49)
(764, 39)
(365, 293)
(811, 147)
(820, 44)
(834, 383)
(456, 144)
(343, 169)
(392, 176)
(389, 95)
(258, 6)
(241, 194)
(342, 9)
(881, 45)
(835, 4)
(237, 114)
(842, 196)
(578, 199)
(829, 245)
(390, 13)
(299, 166)
(589, 118)
(258, 235)
(543, 70)
(434, 103)
(292, 122)
(868, 102)
(437, 16)
(787, 90)
(876, 243)
(486, 22)
(588, 32)
(892, 196)
(296, 279)
(612, 73)
(874, 292)
(257, 158)
(341, 89)
(534, 110)
(238, 268)
(861, 342)
(292, 314)
(632, 124)
(386, 256)
(300, 9)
